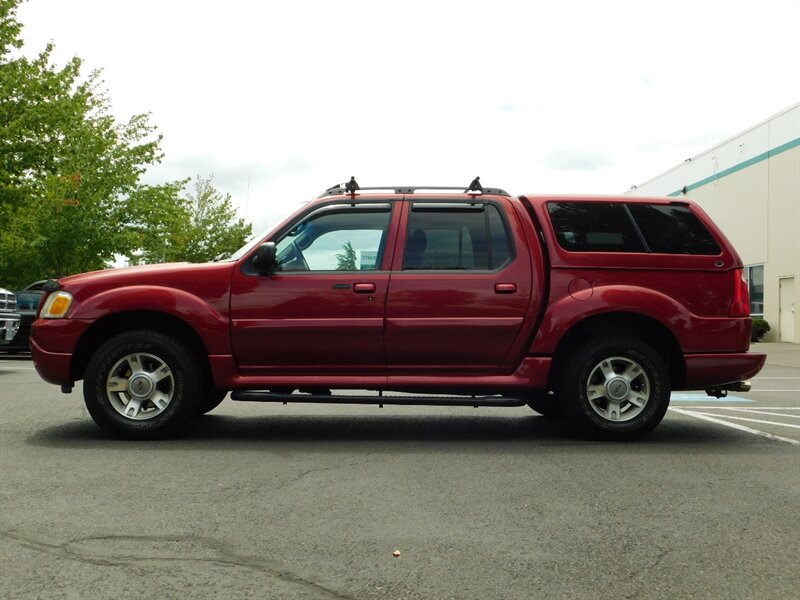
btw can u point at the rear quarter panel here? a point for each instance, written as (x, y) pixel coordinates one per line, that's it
(694, 333)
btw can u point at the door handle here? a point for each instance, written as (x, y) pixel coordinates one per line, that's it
(505, 288)
(364, 288)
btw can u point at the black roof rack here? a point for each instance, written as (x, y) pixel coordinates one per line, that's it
(410, 189)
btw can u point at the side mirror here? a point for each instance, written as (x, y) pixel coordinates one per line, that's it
(264, 258)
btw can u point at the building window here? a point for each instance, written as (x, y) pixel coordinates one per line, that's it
(754, 275)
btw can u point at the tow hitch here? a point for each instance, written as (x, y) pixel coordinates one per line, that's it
(722, 390)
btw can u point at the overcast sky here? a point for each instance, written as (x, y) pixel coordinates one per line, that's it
(293, 97)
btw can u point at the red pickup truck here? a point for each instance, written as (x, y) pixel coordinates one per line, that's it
(593, 308)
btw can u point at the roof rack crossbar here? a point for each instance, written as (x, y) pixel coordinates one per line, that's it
(410, 189)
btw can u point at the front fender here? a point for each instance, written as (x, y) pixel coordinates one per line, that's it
(210, 321)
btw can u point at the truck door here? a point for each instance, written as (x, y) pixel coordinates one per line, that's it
(460, 288)
(322, 309)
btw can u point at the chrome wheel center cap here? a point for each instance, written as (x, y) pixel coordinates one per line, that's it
(141, 386)
(617, 389)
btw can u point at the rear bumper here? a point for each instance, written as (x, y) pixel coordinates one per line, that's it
(710, 370)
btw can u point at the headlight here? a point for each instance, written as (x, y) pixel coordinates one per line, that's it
(56, 305)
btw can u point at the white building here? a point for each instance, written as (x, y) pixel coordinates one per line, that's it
(750, 185)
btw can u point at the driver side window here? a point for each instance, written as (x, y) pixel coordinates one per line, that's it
(336, 239)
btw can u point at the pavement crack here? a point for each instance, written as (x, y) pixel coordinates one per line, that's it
(58, 550)
(307, 472)
(221, 555)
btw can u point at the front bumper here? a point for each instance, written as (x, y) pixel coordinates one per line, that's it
(716, 370)
(53, 345)
(53, 367)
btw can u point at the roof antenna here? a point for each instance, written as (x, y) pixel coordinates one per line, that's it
(352, 186)
(475, 186)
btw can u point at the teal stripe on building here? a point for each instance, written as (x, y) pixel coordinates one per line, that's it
(743, 165)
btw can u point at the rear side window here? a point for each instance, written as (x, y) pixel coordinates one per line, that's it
(472, 238)
(673, 230)
(594, 227)
(618, 227)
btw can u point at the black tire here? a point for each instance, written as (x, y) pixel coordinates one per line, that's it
(547, 406)
(211, 399)
(615, 388)
(142, 385)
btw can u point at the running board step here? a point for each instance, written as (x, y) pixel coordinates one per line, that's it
(475, 401)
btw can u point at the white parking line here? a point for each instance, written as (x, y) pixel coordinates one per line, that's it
(753, 420)
(755, 411)
(705, 417)
(758, 407)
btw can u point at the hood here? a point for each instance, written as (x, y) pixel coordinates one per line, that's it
(187, 276)
(126, 272)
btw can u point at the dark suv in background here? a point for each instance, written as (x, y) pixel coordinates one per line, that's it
(27, 307)
(9, 318)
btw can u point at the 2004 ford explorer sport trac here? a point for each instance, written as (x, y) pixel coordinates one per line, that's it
(594, 308)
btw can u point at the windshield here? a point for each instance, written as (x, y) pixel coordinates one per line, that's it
(256, 239)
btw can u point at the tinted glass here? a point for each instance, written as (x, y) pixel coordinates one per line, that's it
(28, 301)
(446, 239)
(501, 248)
(594, 227)
(673, 230)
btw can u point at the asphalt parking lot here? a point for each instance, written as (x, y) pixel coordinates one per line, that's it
(309, 501)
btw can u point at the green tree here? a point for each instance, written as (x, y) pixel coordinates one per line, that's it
(65, 163)
(347, 260)
(70, 192)
(163, 225)
(213, 227)
(156, 224)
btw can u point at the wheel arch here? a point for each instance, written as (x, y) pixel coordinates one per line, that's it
(105, 328)
(636, 325)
